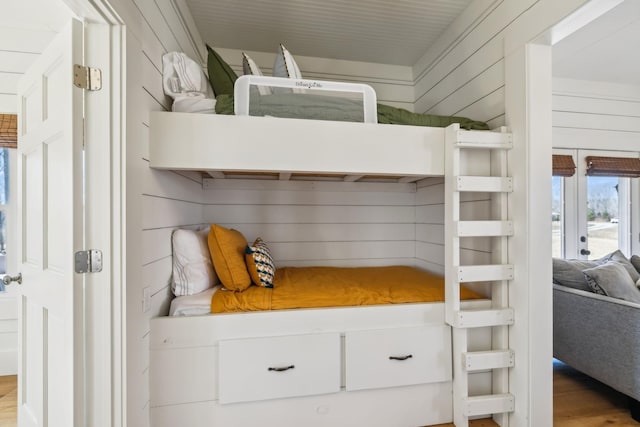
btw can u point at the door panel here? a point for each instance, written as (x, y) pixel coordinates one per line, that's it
(51, 225)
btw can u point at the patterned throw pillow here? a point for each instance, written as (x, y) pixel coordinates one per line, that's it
(260, 264)
(285, 65)
(250, 68)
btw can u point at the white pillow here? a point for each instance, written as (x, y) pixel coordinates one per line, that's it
(285, 65)
(192, 267)
(249, 67)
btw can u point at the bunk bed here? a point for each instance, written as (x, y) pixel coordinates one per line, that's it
(374, 365)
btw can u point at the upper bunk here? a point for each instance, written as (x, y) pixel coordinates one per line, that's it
(264, 147)
(253, 146)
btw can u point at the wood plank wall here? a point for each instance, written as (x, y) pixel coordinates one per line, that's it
(156, 201)
(595, 115)
(463, 72)
(319, 223)
(18, 49)
(393, 83)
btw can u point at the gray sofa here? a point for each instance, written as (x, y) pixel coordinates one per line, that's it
(599, 336)
(596, 320)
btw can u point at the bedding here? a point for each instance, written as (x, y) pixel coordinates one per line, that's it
(320, 107)
(315, 287)
(193, 305)
(299, 105)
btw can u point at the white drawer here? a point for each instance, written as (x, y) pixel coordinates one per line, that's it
(275, 367)
(397, 357)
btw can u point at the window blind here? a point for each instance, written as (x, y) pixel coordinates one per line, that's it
(8, 131)
(563, 165)
(613, 166)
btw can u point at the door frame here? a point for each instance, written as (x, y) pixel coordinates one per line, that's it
(103, 350)
(528, 101)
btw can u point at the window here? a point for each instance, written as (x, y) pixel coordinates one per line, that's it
(8, 140)
(603, 215)
(557, 207)
(591, 214)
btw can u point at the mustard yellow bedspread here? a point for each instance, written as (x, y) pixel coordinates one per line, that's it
(306, 287)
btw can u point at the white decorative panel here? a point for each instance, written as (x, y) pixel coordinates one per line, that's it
(58, 169)
(32, 205)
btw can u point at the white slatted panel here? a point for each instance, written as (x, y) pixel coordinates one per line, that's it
(159, 201)
(585, 113)
(26, 28)
(320, 223)
(315, 28)
(430, 225)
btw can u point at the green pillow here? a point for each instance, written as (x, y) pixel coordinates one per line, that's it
(221, 76)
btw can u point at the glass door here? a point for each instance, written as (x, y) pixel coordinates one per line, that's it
(604, 209)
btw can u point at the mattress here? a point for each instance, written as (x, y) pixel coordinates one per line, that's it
(316, 287)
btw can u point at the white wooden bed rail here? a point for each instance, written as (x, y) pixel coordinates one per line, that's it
(219, 143)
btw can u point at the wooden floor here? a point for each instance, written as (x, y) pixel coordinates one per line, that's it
(8, 401)
(578, 401)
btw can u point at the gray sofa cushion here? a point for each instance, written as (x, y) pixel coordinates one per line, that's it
(568, 272)
(619, 257)
(635, 261)
(612, 279)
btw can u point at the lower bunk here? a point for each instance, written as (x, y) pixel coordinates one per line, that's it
(380, 365)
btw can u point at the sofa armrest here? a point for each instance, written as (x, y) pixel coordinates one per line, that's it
(598, 335)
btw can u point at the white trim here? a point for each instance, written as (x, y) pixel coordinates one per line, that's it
(528, 114)
(104, 344)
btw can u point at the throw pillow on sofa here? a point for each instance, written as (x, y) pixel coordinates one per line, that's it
(635, 261)
(568, 272)
(622, 259)
(612, 279)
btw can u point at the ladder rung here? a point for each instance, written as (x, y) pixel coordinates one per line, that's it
(484, 228)
(482, 318)
(488, 184)
(489, 404)
(480, 139)
(484, 273)
(485, 360)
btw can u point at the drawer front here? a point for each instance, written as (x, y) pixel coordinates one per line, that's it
(397, 357)
(275, 367)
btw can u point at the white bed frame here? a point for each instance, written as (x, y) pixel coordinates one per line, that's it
(336, 366)
(213, 370)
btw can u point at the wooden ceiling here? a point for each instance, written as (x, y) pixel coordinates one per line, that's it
(397, 32)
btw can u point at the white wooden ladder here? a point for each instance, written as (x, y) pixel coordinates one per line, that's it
(497, 273)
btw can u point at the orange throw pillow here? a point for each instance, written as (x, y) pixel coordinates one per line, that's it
(227, 248)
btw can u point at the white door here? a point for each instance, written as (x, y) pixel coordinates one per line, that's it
(50, 199)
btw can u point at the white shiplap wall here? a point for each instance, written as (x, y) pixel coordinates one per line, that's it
(393, 83)
(463, 72)
(595, 115)
(430, 244)
(319, 223)
(156, 202)
(19, 47)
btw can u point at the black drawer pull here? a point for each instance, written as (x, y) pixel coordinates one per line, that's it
(282, 368)
(408, 356)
